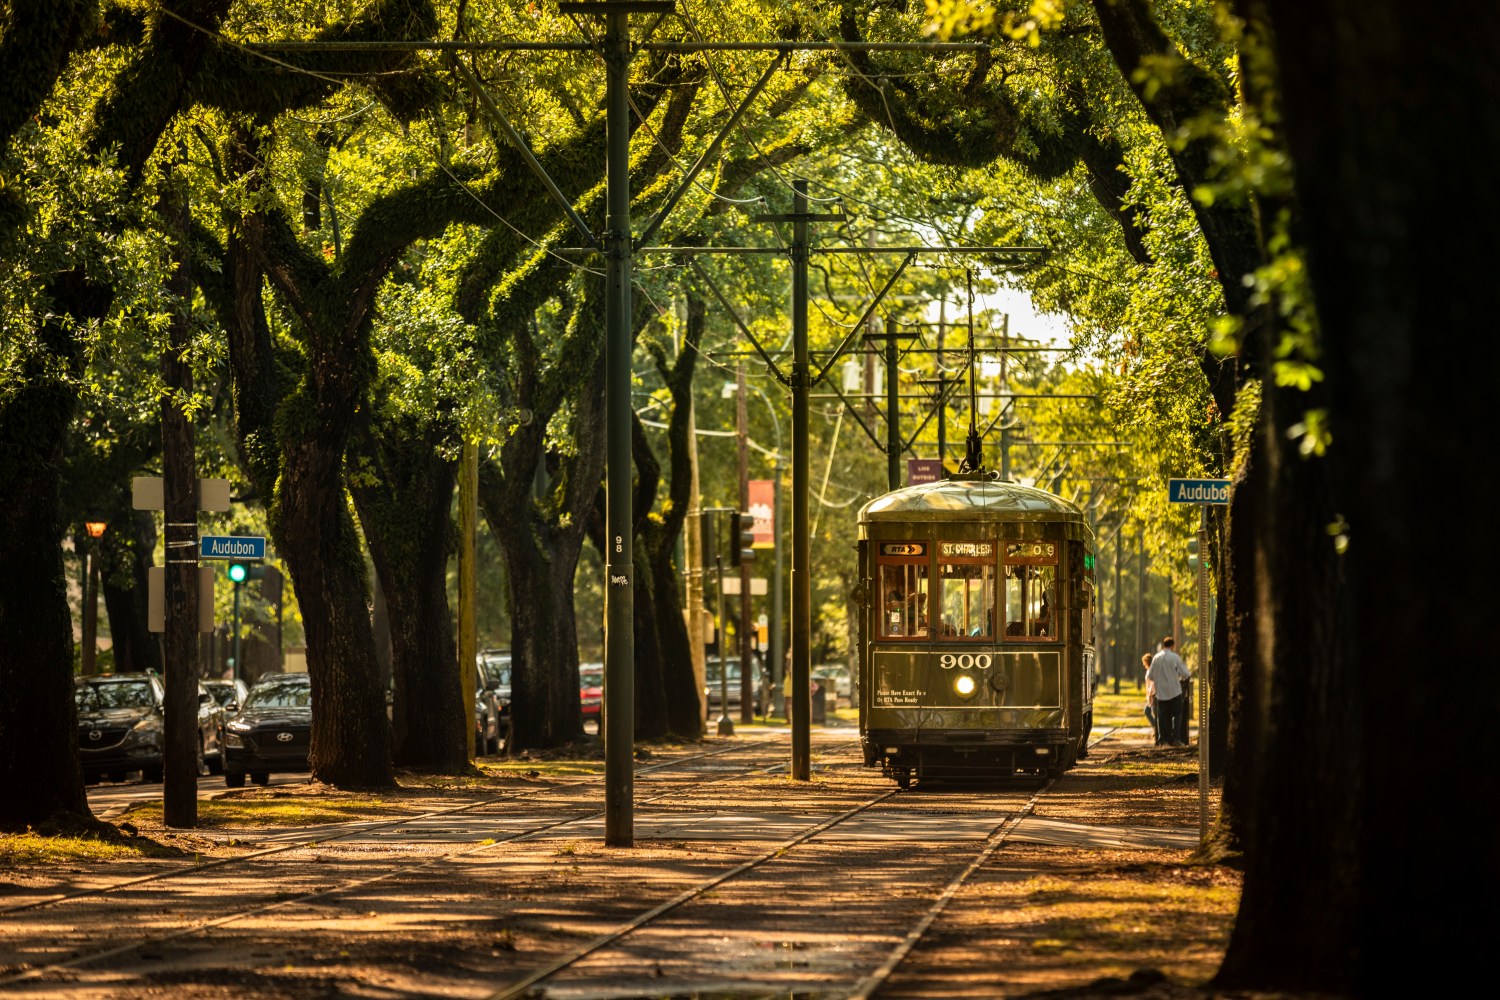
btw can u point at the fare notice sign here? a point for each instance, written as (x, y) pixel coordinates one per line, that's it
(248, 547)
(1198, 490)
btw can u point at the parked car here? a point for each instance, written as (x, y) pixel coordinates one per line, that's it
(120, 727)
(591, 689)
(834, 678)
(496, 673)
(489, 725)
(271, 732)
(711, 685)
(229, 694)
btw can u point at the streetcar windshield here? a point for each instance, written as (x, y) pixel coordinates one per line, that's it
(1030, 590)
(903, 590)
(966, 571)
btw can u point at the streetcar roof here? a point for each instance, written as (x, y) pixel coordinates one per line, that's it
(969, 499)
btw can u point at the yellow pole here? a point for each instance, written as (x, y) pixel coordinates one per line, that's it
(468, 639)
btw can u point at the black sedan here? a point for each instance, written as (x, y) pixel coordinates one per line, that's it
(120, 727)
(271, 731)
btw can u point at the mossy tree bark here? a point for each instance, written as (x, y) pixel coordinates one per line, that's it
(407, 522)
(1379, 650)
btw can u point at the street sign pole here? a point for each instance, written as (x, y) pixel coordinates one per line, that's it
(1203, 674)
(1203, 492)
(799, 712)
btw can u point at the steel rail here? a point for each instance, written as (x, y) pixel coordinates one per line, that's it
(354, 830)
(523, 988)
(400, 869)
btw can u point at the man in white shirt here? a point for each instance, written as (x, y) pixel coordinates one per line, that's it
(1166, 674)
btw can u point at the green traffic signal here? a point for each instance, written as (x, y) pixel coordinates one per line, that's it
(238, 572)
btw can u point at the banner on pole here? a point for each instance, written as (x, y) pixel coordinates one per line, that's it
(763, 509)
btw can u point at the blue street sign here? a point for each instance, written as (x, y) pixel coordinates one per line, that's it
(249, 547)
(1198, 490)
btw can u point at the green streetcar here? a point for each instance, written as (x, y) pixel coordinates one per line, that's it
(976, 631)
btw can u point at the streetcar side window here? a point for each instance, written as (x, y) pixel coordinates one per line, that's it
(1031, 590)
(903, 598)
(966, 575)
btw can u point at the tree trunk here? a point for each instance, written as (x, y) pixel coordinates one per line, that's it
(406, 515)
(38, 718)
(1395, 651)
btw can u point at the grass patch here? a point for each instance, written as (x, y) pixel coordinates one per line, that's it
(289, 811)
(19, 850)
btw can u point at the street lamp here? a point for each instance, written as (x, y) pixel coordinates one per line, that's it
(95, 528)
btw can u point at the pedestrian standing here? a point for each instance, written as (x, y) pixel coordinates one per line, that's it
(1150, 708)
(1166, 674)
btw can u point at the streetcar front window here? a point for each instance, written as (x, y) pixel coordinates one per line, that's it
(1031, 590)
(903, 590)
(966, 571)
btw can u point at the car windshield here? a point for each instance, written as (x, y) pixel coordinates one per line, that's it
(280, 694)
(223, 693)
(591, 678)
(114, 694)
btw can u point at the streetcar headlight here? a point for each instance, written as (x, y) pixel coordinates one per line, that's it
(964, 685)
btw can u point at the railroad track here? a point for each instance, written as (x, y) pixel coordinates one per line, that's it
(642, 921)
(867, 985)
(283, 900)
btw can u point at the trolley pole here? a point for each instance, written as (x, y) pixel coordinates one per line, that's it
(618, 720)
(800, 710)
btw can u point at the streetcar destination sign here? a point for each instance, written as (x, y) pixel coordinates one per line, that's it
(1198, 490)
(232, 547)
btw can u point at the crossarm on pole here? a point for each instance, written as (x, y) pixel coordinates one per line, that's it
(860, 323)
(697, 267)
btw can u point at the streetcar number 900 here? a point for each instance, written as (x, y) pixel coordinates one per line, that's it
(965, 661)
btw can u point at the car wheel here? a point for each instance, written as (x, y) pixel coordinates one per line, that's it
(200, 766)
(216, 762)
(151, 775)
(261, 778)
(115, 776)
(94, 777)
(493, 744)
(234, 779)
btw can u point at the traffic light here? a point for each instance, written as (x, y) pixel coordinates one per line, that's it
(1193, 552)
(741, 538)
(244, 572)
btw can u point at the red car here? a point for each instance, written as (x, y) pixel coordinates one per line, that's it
(591, 689)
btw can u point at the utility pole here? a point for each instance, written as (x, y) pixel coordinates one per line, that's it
(1140, 599)
(180, 510)
(618, 718)
(800, 711)
(747, 633)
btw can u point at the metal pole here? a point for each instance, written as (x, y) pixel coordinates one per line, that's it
(747, 644)
(1203, 675)
(776, 646)
(91, 608)
(801, 708)
(619, 638)
(726, 725)
(1118, 634)
(234, 635)
(1004, 429)
(892, 411)
(1140, 601)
